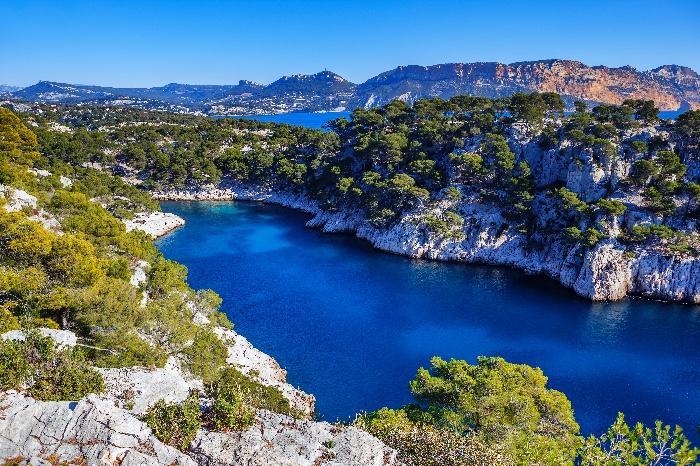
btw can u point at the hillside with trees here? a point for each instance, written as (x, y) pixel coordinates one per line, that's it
(68, 264)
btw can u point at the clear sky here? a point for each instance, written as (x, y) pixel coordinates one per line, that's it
(150, 43)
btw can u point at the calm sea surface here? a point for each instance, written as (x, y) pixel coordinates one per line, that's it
(352, 325)
(307, 119)
(317, 120)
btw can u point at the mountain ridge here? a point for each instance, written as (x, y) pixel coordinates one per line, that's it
(670, 86)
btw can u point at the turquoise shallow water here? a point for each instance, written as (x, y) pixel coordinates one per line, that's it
(352, 325)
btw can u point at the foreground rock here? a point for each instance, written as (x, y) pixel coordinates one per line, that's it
(155, 224)
(279, 440)
(91, 430)
(94, 431)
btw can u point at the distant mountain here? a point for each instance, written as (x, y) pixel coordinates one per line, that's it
(670, 86)
(4, 88)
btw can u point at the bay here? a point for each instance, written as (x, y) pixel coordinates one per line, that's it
(352, 324)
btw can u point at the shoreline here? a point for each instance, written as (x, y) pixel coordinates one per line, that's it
(603, 274)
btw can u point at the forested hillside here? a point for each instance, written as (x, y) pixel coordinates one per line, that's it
(67, 263)
(539, 177)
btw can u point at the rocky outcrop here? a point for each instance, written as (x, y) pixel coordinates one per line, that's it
(60, 337)
(155, 224)
(94, 431)
(91, 430)
(18, 200)
(279, 440)
(107, 429)
(263, 368)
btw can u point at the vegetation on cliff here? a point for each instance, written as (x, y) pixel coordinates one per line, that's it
(79, 273)
(597, 174)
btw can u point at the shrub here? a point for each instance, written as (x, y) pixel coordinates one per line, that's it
(47, 372)
(232, 382)
(505, 404)
(423, 444)
(206, 355)
(638, 445)
(448, 226)
(611, 206)
(175, 424)
(231, 410)
(67, 377)
(639, 147)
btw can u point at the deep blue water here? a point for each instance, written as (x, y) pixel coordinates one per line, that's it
(317, 120)
(352, 325)
(307, 119)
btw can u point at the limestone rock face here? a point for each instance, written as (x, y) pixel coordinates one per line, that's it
(16, 199)
(136, 388)
(92, 429)
(604, 273)
(154, 223)
(279, 440)
(264, 369)
(60, 337)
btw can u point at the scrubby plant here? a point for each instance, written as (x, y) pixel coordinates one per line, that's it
(206, 355)
(232, 382)
(611, 206)
(639, 445)
(421, 443)
(175, 424)
(46, 372)
(231, 409)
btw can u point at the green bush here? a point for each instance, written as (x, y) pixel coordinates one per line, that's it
(175, 424)
(206, 355)
(424, 444)
(231, 410)
(47, 372)
(68, 377)
(639, 147)
(611, 206)
(503, 404)
(639, 445)
(232, 382)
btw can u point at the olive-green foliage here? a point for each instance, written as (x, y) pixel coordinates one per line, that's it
(419, 443)
(611, 206)
(448, 225)
(589, 237)
(503, 404)
(175, 424)
(80, 279)
(231, 382)
(206, 355)
(235, 397)
(638, 445)
(231, 410)
(495, 412)
(47, 372)
(675, 241)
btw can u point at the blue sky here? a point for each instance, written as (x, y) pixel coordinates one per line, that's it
(150, 43)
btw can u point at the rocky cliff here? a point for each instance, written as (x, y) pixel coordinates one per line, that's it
(609, 270)
(670, 86)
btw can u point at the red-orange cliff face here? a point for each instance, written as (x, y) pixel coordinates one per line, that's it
(670, 86)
